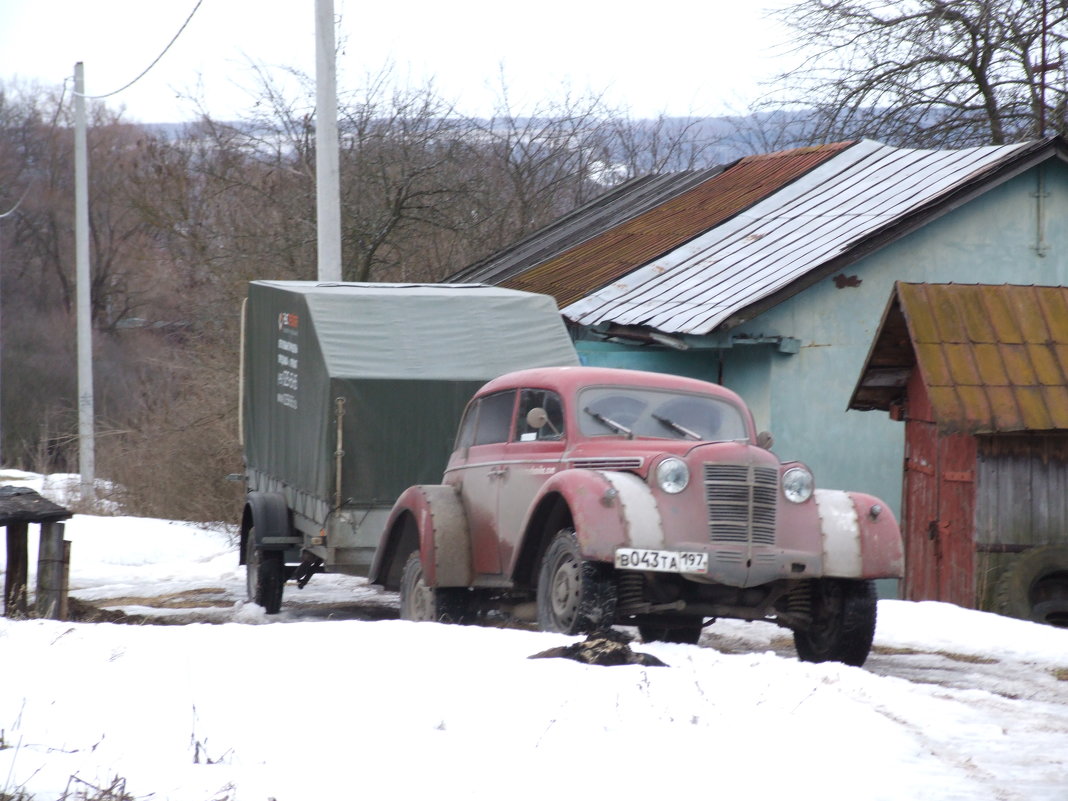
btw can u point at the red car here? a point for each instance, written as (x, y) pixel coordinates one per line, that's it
(589, 497)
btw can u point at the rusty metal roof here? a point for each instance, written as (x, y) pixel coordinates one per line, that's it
(605, 240)
(617, 205)
(993, 358)
(829, 212)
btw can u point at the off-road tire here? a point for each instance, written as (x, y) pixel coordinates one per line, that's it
(265, 575)
(843, 622)
(1035, 586)
(575, 596)
(421, 602)
(687, 632)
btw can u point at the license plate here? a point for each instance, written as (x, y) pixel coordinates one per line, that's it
(662, 561)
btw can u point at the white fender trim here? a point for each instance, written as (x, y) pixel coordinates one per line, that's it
(841, 533)
(641, 516)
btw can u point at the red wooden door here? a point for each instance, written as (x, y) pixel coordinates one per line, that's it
(920, 502)
(939, 507)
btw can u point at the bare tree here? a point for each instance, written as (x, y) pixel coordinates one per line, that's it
(928, 72)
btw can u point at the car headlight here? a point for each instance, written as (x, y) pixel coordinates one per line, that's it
(797, 484)
(672, 475)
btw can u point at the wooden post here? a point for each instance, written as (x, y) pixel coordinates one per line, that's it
(17, 571)
(50, 571)
(64, 602)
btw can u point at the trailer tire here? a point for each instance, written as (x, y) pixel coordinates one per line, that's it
(1035, 586)
(265, 575)
(843, 622)
(575, 596)
(421, 602)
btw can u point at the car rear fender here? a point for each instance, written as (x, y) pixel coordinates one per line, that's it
(861, 537)
(429, 517)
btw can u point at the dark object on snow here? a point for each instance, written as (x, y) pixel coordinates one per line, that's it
(605, 648)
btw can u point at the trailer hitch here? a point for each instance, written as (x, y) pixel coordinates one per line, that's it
(308, 567)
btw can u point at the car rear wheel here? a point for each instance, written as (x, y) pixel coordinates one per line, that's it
(575, 595)
(419, 601)
(843, 622)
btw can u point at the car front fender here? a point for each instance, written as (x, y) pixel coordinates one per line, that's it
(610, 509)
(861, 537)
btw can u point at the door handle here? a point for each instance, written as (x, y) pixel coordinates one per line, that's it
(498, 472)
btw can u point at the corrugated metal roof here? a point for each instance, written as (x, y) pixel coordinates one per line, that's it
(616, 251)
(741, 259)
(607, 210)
(993, 358)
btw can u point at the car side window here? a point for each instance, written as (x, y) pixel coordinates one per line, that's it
(466, 433)
(554, 409)
(494, 418)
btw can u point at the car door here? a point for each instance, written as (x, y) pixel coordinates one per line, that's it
(478, 470)
(530, 458)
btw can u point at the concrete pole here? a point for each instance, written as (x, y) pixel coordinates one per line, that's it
(327, 180)
(86, 435)
(1, 343)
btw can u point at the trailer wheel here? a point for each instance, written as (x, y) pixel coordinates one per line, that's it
(1035, 587)
(265, 575)
(575, 596)
(843, 622)
(687, 632)
(419, 601)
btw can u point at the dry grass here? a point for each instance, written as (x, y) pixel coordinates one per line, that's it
(203, 598)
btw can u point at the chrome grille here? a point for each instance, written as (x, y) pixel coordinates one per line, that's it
(609, 463)
(741, 500)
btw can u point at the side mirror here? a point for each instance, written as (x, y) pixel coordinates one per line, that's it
(765, 440)
(537, 417)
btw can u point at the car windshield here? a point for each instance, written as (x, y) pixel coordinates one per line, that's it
(639, 412)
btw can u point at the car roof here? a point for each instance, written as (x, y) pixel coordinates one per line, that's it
(567, 380)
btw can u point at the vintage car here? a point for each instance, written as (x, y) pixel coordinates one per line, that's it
(590, 497)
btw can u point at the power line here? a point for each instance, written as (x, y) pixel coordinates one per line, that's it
(15, 208)
(154, 61)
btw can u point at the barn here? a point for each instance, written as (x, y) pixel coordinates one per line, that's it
(978, 374)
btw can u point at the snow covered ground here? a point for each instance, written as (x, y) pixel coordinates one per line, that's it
(336, 698)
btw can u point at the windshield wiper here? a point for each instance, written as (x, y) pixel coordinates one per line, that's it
(686, 432)
(619, 428)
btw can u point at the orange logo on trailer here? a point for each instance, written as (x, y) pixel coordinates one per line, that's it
(288, 320)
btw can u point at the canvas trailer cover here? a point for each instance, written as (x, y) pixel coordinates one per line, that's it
(388, 367)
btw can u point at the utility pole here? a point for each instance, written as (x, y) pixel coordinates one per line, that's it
(86, 435)
(2, 216)
(327, 169)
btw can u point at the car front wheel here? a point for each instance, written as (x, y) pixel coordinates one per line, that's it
(575, 596)
(843, 622)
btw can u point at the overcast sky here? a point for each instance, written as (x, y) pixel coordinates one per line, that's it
(702, 57)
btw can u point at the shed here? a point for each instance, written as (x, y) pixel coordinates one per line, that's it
(979, 375)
